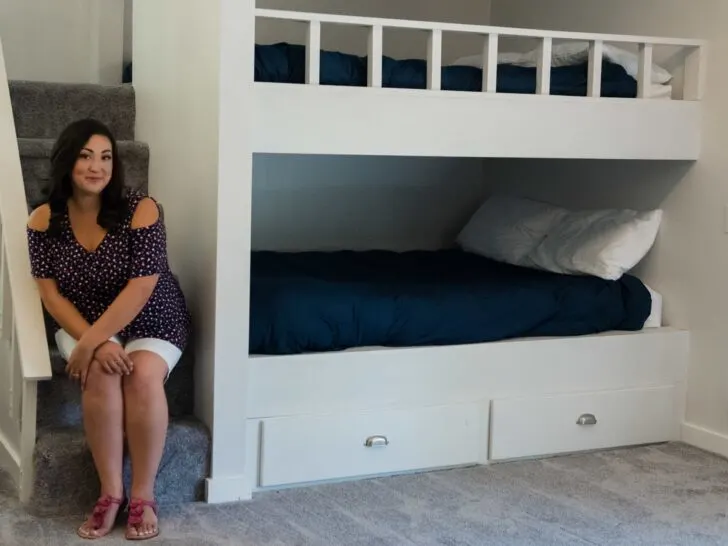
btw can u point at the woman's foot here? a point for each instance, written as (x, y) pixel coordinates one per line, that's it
(102, 519)
(143, 523)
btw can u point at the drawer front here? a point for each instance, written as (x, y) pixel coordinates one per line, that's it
(530, 427)
(310, 448)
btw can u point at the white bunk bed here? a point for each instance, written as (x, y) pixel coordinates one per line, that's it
(308, 416)
(374, 410)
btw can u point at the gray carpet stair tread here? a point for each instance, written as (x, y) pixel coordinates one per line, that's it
(66, 481)
(44, 109)
(35, 156)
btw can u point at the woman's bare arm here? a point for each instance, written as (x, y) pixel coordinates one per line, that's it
(60, 308)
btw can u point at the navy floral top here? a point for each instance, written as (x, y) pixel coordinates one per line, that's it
(93, 280)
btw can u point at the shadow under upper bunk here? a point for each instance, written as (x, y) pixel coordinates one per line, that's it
(329, 301)
(286, 63)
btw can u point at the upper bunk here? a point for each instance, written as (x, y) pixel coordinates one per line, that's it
(574, 96)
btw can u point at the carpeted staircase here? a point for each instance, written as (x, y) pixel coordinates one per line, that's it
(65, 480)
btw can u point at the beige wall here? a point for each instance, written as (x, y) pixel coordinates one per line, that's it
(77, 41)
(690, 263)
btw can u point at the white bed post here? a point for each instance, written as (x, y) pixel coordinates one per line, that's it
(376, 39)
(434, 60)
(490, 64)
(694, 78)
(543, 74)
(596, 54)
(313, 53)
(644, 77)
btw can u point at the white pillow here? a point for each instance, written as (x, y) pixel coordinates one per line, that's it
(603, 243)
(572, 53)
(508, 229)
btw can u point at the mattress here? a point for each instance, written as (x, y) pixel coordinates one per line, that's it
(286, 63)
(330, 301)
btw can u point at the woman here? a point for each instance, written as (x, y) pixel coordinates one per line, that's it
(98, 253)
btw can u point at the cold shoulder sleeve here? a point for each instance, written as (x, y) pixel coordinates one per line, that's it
(39, 247)
(148, 250)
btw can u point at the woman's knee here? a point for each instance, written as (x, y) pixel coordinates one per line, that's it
(150, 371)
(99, 381)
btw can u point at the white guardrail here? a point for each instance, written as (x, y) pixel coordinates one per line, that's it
(694, 59)
(24, 354)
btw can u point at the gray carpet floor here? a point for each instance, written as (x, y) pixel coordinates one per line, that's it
(661, 495)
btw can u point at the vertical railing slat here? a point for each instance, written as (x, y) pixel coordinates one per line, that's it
(596, 56)
(490, 64)
(543, 73)
(644, 76)
(434, 60)
(313, 53)
(694, 77)
(376, 47)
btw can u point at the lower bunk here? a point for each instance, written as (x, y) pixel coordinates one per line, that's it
(372, 363)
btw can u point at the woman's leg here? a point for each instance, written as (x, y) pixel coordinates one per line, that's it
(103, 419)
(146, 429)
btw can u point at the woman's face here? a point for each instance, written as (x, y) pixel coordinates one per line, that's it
(92, 171)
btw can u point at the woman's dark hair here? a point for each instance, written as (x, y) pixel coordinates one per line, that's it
(66, 152)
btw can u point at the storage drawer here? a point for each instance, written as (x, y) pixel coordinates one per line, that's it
(558, 424)
(321, 447)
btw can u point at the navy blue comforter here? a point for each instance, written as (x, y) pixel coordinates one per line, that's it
(302, 302)
(286, 63)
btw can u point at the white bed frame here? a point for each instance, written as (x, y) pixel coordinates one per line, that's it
(313, 119)
(306, 418)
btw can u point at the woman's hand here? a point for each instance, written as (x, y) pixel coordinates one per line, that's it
(79, 362)
(114, 359)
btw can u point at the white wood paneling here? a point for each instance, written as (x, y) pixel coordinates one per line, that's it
(545, 425)
(334, 446)
(369, 379)
(290, 118)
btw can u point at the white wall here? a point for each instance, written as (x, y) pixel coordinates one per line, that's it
(204, 182)
(393, 203)
(360, 203)
(690, 264)
(128, 30)
(77, 41)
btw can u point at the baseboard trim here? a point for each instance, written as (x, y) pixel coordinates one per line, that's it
(706, 439)
(228, 489)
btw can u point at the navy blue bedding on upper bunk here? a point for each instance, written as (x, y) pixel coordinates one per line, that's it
(317, 301)
(286, 63)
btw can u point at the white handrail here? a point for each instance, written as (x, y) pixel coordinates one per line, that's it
(305, 17)
(30, 334)
(24, 354)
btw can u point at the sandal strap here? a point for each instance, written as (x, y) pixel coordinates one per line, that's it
(136, 510)
(101, 508)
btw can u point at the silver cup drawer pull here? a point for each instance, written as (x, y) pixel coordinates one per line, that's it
(376, 441)
(586, 419)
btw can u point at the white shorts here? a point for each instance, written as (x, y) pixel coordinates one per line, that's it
(164, 349)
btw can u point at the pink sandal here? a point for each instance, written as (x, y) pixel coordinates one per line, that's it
(136, 518)
(98, 518)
